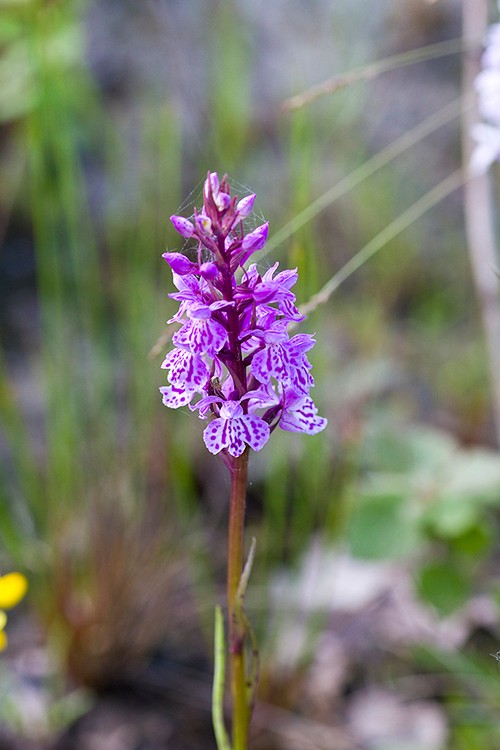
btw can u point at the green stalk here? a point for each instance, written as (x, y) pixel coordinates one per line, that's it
(240, 708)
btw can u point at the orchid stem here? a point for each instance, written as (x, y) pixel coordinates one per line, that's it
(240, 707)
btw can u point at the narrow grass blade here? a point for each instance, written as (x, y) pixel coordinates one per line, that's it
(367, 72)
(399, 146)
(221, 735)
(414, 212)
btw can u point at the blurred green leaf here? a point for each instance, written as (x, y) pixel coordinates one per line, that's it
(452, 516)
(380, 528)
(395, 447)
(475, 474)
(475, 541)
(60, 46)
(469, 482)
(443, 586)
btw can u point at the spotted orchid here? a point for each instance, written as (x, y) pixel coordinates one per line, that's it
(233, 349)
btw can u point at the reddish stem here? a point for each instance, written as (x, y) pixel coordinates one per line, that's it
(239, 472)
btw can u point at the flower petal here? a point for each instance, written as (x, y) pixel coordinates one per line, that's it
(176, 396)
(253, 430)
(186, 369)
(13, 587)
(201, 336)
(301, 416)
(216, 435)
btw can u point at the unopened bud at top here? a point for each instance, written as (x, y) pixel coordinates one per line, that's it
(222, 200)
(211, 185)
(245, 205)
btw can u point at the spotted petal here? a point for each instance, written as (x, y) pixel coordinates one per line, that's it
(284, 362)
(201, 336)
(267, 363)
(300, 415)
(175, 396)
(235, 433)
(186, 369)
(253, 430)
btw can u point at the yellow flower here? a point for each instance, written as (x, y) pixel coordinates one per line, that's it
(13, 587)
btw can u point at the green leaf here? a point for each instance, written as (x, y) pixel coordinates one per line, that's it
(475, 474)
(391, 449)
(476, 541)
(452, 516)
(381, 528)
(443, 586)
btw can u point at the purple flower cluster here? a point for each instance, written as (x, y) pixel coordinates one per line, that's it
(233, 349)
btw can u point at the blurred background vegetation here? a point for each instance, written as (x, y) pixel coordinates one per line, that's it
(375, 591)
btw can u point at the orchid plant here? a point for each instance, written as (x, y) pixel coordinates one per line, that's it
(235, 363)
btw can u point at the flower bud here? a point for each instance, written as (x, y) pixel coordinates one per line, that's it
(245, 205)
(179, 263)
(208, 271)
(256, 239)
(211, 185)
(182, 225)
(204, 223)
(222, 200)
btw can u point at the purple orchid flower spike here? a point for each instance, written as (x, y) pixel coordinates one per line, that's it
(233, 350)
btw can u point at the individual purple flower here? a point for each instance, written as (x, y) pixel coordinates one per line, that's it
(284, 359)
(190, 288)
(204, 224)
(191, 292)
(255, 240)
(202, 334)
(277, 290)
(300, 414)
(208, 271)
(233, 430)
(293, 412)
(211, 187)
(186, 368)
